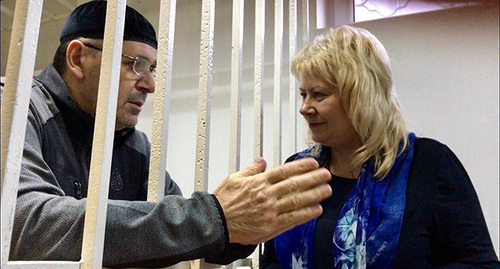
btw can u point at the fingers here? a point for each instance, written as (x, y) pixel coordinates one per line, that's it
(301, 182)
(258, 166)
(287, 170)
(296, 201)
(291, 219)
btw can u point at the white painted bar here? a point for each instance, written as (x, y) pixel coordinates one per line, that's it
(204, 92)
(163, 89)
(260, 31)
(305, 22)
(292, 96)
(15, 101)
(236, 67)
(278, 70)
(313, 24)
(43, 265)
(205, 87)
(102, 147)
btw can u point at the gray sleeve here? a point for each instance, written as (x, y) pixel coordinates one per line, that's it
(49, 225)
(171, 188)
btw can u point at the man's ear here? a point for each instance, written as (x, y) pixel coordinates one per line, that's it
(74, 54)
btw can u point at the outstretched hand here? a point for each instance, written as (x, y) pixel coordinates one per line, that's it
(259, 205)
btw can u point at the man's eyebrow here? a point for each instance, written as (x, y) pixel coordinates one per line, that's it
(147, 58)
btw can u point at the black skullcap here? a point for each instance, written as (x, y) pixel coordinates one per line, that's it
(88, 20)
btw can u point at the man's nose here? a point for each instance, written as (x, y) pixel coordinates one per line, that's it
(147, 83)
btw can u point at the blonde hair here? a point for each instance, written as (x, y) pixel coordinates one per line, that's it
(354, 61)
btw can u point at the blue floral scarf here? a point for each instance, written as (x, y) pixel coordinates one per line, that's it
(367, 230)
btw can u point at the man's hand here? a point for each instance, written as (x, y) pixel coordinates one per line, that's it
(258, 206)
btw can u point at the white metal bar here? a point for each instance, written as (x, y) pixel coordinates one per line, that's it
(43, 265)
(236, 62)
(102, 147)
(313, 23)
(205, 87)
(15, 101)
(204, 92)
(292, 99)
(158, 161)
(305, 22)
(260, 24)
(278, 70)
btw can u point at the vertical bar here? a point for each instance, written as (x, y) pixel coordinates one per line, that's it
(15, 101)
(293, 85)
(205, 88)
(102, 147)
(313, 22)
(278, 70)
(260, 24)
(235, 122)
(305, 22)
(158, 161)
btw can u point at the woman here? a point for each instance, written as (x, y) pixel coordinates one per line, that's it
(398, 200)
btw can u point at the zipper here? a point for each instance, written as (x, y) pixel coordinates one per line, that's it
(78, 190)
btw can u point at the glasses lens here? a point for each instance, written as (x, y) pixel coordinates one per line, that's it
(141, 66)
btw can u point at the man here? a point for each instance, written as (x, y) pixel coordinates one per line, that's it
(248, 207)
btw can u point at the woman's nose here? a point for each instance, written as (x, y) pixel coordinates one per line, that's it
(306, 108)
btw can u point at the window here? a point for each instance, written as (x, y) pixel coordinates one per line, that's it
(365, 10)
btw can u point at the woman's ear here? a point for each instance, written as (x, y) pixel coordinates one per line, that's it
(74, 54)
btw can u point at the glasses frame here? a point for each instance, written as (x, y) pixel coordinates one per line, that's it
(137, 60)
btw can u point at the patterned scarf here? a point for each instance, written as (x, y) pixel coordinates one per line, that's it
(367, 230)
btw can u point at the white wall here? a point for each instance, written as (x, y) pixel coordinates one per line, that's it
(445, 66)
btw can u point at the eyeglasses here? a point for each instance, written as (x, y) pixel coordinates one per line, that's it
(141, 66)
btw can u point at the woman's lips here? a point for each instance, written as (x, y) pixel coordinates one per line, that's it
(315, 124)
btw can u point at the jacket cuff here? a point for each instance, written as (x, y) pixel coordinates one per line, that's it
(223, 218)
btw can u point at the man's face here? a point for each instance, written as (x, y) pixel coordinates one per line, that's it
(133, 88)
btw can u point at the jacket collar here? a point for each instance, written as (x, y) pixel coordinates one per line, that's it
(78, 121)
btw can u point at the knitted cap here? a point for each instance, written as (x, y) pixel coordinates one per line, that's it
(88, 21)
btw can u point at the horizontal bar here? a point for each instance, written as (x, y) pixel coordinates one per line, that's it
(43, 265)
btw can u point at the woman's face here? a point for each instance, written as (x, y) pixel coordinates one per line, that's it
(325, 114)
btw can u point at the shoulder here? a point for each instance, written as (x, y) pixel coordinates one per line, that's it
(435, 162)
(428, 145)
(41, 102)
(432, 151)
